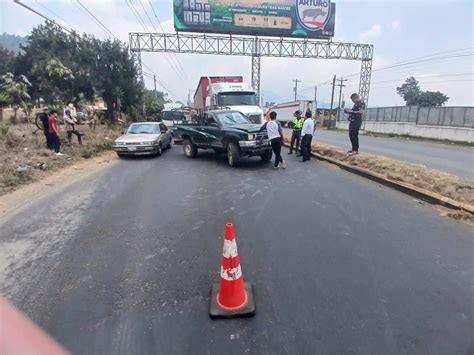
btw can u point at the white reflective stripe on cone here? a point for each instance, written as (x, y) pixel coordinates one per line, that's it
(230, 249)
(231, 274)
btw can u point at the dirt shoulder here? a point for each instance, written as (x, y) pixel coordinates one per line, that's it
(26, 159)
(61, 177)
(420, 176)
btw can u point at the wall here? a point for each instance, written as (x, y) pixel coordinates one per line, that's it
(453, 123)
(458, 134)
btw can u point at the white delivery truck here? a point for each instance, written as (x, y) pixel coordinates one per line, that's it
(231, 93)
(285, 111)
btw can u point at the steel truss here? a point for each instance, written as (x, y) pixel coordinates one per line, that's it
(256, 47)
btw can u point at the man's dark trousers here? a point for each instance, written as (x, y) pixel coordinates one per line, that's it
(49, 143)
(306, 146)
(276, 147)
(354, 127)
(295, 136)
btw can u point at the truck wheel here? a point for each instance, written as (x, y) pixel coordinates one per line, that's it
(266, 157)
(189, 148)
(233, 154)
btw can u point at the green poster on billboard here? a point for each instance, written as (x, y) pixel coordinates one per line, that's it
(278, 18)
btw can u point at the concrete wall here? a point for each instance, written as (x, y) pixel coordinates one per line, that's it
(459, 134)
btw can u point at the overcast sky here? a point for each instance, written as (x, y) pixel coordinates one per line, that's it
(399, 30)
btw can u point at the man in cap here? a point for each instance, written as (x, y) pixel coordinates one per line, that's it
(296, 134)
(44, 117)
(355, 121)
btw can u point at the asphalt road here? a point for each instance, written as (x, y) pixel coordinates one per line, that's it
(122, 262)
(452, 159)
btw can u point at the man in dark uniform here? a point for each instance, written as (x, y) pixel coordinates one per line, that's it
(355, 119)
(296, 134)
(44, 116)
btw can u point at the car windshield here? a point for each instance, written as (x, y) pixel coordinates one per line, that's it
(231, 118)
(236, 98)
(142, 128)
(173, 115)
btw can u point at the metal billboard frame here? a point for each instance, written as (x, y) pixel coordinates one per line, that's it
(256, 48)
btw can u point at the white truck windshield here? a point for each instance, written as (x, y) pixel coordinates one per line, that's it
(236, 99)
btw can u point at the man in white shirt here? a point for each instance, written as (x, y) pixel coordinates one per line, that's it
(307, 136)
(275, 135)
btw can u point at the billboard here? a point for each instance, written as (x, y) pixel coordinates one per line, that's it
(278, 18)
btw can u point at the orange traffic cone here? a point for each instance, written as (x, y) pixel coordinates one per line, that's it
(232, 297)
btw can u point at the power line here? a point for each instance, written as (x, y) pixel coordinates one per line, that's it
(137, 15)
(419, 77)
(97, 20)
(159, 23)
(53, 13)
(408, 62)
(175, 64)
(68, 30)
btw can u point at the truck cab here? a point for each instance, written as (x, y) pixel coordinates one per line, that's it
(235, 96)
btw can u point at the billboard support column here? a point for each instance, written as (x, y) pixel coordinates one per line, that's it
(256, 59)
(364, 83)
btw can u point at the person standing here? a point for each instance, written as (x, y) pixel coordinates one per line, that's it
(307, 136)
(296, 134)
(275, 135)
(71, 127)
(44, 116)
(54, 132)
(355, 121)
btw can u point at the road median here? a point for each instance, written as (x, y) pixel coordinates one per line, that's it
(425, 184)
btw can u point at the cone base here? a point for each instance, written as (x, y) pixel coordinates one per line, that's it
(248, 310)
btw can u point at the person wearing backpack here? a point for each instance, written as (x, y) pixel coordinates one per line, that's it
(71, 127)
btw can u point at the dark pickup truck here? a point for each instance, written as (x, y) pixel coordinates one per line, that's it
(224, 131)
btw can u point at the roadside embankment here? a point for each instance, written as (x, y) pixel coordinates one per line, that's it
(430, 185)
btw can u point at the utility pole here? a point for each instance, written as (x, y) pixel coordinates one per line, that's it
(295, 89)
(341, 85)
(332, 100)
(316, 99)
(154, 83)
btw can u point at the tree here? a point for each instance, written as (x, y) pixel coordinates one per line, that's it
(409, 91)
(7, 61)
(114, 68)
(17, 90)
(5, 101)
(431, 99)
(154, 103)
(413, 96)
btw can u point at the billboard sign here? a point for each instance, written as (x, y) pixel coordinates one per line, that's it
(277, 18)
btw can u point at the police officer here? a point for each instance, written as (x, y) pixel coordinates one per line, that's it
(296, 135)
(355, 121)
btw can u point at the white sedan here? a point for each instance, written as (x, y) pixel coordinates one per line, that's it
(144, 138)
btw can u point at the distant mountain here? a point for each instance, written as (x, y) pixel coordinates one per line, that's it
(11, 42)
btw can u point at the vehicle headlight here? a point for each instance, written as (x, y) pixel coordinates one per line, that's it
(119, 143)
(251, 137)
(146, 143)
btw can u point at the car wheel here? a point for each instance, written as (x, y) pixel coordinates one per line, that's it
(233, 154)
(159, 150)
(120, 155)
(170, 144)
(189, 148)
(266, 157)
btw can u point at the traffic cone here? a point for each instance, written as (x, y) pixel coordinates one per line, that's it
(232, 297)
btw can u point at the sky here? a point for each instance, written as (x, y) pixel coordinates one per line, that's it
(441, 32)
